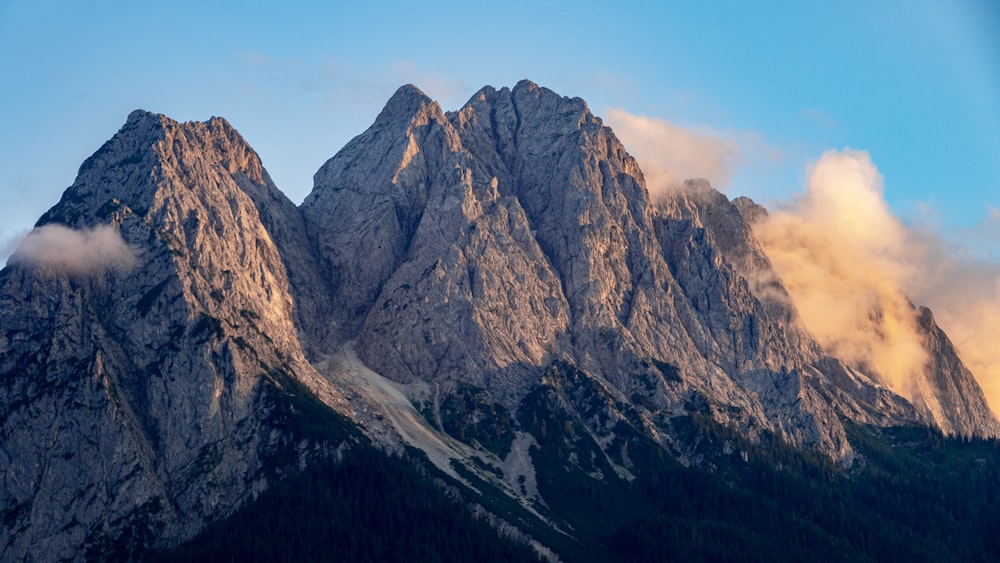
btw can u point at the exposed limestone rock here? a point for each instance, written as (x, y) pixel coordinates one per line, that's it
(502, 260)
(139, 398)
(934, 389)
(516, 231)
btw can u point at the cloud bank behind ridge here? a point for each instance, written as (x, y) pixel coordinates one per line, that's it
(669, 154)
(851, 267)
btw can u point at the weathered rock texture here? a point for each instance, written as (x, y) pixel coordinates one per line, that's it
(501, 263)
(141, 397)
(474, 248)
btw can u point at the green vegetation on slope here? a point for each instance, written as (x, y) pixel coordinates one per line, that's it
(367, 507)
(914, 495)
(917, 496)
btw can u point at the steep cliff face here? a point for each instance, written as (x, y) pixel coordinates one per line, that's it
(508, 286)
(516, 231)
(475, 248)
(142, 395)
(932, 389)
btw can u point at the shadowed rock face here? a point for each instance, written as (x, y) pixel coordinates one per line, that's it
(496, 255)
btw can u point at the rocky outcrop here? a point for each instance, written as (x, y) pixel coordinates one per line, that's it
(474, 248)
(501, 269)
(141, 398)
(516, 231)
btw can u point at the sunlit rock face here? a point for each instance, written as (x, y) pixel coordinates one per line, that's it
(474, 248)
(502, 265)
(137, 395)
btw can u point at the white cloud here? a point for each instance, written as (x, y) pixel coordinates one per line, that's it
(845, 260)
(669, 154)
(849, 264)
(75, 252)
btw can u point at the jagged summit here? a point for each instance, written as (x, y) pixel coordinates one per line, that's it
(140, 115)
(407, 106)
(152, 153)
(408, 95)
(480, 284)
(169, 372)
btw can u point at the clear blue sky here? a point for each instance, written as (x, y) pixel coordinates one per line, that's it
(916, 83)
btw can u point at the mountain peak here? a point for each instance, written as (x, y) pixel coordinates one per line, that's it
(406, 105)
(140, 115)
(146, 147)
(525, 84)
(409, 91)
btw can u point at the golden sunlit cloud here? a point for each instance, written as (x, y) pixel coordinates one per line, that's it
(851, 266)
(669, 154)
(844, 259)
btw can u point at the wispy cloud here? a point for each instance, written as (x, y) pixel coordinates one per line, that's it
(447, 89)
(333, 84)
(342, 83)
(617, 87)
(82, 252)
(350, 85)
(819, 117)
(960, 280)
(851, 266)
(669, 154)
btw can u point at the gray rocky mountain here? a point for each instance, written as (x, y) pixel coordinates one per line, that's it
(516, 231)
(144, 397)
(960, 407)
(453, 282)
(935, 386)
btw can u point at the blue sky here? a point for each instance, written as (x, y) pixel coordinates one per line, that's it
(915, 83)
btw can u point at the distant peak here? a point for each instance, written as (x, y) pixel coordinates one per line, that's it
(409, 91)
(525, 84)
(485, 93)
(406, 104)
(750, 210)
(408, 98)
(141, 119)
(141, 116)
(528, 91)
(216, 121)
